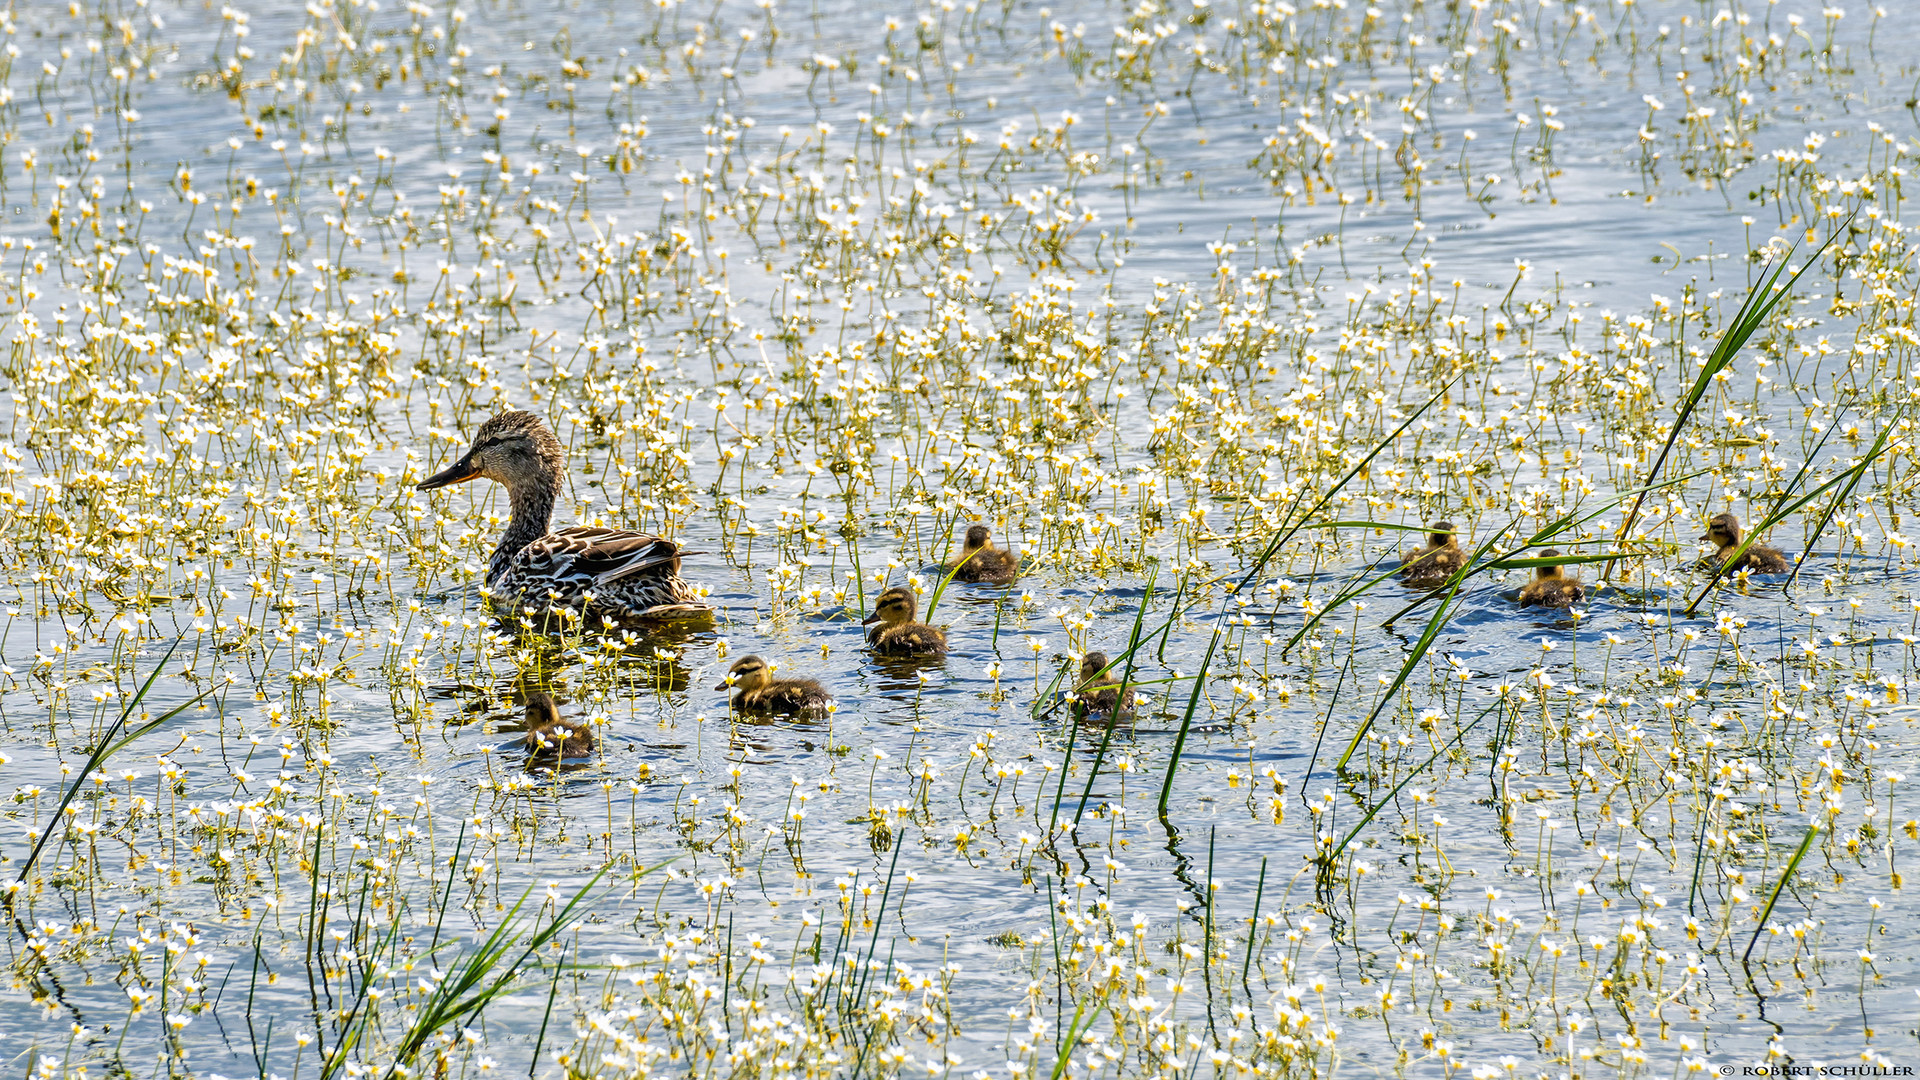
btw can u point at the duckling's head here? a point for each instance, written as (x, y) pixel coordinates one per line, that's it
(1442, 534)
(541, 711)
(514, 448)
(748, 673)
(1092, 665)
(979, 536)
(893, 607)
(1548, 573)
(545, 733)
(1723, 531)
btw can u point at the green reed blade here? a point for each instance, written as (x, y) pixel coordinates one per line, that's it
(1782, 510)
(1329, 858)
(934, 600)
(1126, 680)
(1813, 829)
(1420, 648)
(1327, 497)
(107, 747)
(1760, 302)
(1186, 721)
(1859, 472)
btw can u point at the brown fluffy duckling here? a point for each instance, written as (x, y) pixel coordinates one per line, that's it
(756, 690)
(1436, 562)
(897, 633)
(1100, 691)
(1550, 587)
(550, 739)
(981, 561)
(1724, 533)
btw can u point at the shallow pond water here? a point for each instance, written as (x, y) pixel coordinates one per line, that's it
(1207, 308)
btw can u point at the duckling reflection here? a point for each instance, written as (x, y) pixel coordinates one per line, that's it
(550, 740)
(1724, 533)
(981, 562)
(1550, 588)
(756, 690)
(1434, 564)
(897, 633)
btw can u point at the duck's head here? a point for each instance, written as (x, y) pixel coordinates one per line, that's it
(514, 448)
(747, 673)
(1092, 665)
(1548, 573)
(893, 607)
(1723, 531)
(979, 536)
(1441, 535)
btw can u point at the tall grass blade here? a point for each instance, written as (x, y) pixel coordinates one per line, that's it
(1813, 829)
(1186, 721)
(1859, 472)
(1760, 302)
(1420, 648)
(109, 746)
(1334, 853)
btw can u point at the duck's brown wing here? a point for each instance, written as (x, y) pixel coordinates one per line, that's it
(597, 557)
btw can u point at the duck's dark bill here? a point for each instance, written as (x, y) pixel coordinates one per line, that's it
(458, 472)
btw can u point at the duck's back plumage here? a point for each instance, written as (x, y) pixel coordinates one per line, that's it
(1759, 558)
(1104, 696)
(1552, 593)
(990, 567)
(627, 573)
(785, 696)
(558, 742)
(908, 639)
(1430, 566)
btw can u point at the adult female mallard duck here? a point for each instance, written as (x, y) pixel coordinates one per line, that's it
(1435, 563)
(898, 634)
(550, 739)
(1723, 531)
(609, 572)
(982, 562)
(1099, 692)
(1551, 588)
(756, 690)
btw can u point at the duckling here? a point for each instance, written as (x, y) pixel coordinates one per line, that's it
(1100, 692)
(756, 690)
(1724, 533)
(550, 739)
(1437, 561)
(981, 561)
(898, 634)
(1551, 588)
